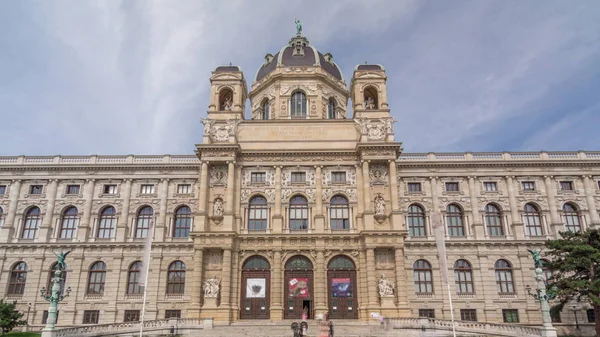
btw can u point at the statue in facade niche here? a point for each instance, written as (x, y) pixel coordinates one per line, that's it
(369, 103)
(211, 287)
(386, 287)
(379, 205)
(218, 208)
(227, 104)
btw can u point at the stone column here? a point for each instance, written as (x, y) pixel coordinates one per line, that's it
(46, 229)
(161, 224)
(123, 223)
(238, 198)
(396, 215)
(591, 204)
(517, 222)
(435, 204)
(556, 224)
(477, 222)
(276, 283)
(7, 231)
(371, 280)
(319, 218)
(366, 187)
(401, 285)
(358, 225)
(83, 232)
(195, 301)
(320, 282)
(226, 281)
(230, 187)
(200, 218)
(277, 225)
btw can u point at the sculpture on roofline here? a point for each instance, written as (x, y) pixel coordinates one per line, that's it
(298, 27)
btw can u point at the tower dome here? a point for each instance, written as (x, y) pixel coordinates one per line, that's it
(299, 53)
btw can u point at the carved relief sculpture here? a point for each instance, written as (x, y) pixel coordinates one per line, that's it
(386, 287)
(218, 208)
(379, 205)
(211, 287)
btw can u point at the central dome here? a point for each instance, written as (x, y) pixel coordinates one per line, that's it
(298, 53)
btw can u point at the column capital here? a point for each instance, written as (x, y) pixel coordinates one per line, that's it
(90, 180)
(162, 180)
(13, 181)
(127, 180)
(432, 178)
(509, 177)
(548, 177)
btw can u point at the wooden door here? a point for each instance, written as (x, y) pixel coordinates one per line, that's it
(256, 294)
(343, 294)
(298, 288)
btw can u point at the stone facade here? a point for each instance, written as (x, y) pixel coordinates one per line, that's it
(301, 199)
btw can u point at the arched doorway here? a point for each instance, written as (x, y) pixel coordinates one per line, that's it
(342, 288)
(298, 287)
(256, 288)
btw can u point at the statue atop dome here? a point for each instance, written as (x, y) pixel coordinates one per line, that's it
(298, 27)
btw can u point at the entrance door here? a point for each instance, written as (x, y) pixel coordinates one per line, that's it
(342, 288)
(298, 288)
(256, 289)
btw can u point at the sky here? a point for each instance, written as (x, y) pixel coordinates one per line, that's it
(132, 77)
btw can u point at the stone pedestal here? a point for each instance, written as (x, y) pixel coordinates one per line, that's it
(546, 332)
(52, 333)
(387, 302)
(210, 303)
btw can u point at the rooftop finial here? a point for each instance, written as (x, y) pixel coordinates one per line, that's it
(298, 27)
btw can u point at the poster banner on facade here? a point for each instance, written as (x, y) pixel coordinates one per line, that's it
(256, 288)
(298, 287)
(341, 287)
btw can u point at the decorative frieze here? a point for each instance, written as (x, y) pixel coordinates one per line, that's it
(218, 175)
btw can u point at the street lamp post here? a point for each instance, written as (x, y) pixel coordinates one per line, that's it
(575, 308)
(55, 295)
(541, 296)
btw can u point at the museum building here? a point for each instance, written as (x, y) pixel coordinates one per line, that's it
(309, 206)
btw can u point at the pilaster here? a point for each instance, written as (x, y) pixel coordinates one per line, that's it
(591, 204)
(226, 286)
(401, 284)
(516, 223)
(556, 224)
(319, 217)
(194, 308)
(396, 215)
(161, 226)
(477, 222)
(7, 231)
(123, 223)
(83, 232)
(277, 226)
(371, 282)
(200, 217)
(46, 228)
(276, 282)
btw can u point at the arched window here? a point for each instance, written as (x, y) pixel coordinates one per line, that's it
(258, 214)
(18, 278)
(31, 223)
(266, 110)
(493, 220)
(340, 263)
(298, 263)
(51, 276)
(416, 221)
(96, 278)
(533, 221)
(182, 222)
(69, 223)
(133, 278)
(571, 214)
(298, 213)
(454, 219)
(504, 277)
(339, 213)
(298, 105)
(106, 223)
(331, 109)
(371, 101)
(256, 263)
(176, 278)
(143, 222)
(422, 276)
(463, 277)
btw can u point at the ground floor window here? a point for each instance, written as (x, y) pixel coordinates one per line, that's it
(45, 317)
(429, 313)
(510, 315)
(172, 314)
(468, 315)
(591, 316)
(131, 316)
(91, 316)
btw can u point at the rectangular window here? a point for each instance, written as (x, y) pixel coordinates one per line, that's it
(555, 317)
(258, 177)
(566, 185)
(490, 186)
(45, 316)
(172, 314)
(429, 313)
(110, 189)
(131, 316)
(591, 316)
(35, 189)
(338, 177)
(451, 187)
(468, 315)
(510, 315)
(91, 316)
(414, 187)
(2, 189)
(72, 189)
(298, 177)
(184, 189)
(528, 185)
(147, 189)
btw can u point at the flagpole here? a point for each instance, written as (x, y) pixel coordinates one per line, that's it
(146, 271)
(440, 240)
